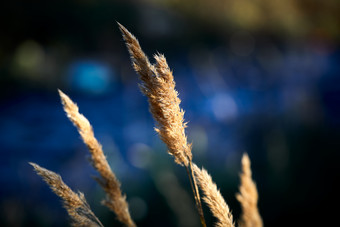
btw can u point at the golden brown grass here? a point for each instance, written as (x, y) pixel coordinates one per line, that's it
(248, 197)
(213, 198)
(75, 204)
(158, 85)
(115, 201)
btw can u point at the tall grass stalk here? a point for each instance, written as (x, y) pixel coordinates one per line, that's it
(158, 85)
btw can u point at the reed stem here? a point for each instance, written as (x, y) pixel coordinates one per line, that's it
(195, 191)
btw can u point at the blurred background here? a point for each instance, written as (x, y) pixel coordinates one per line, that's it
(255, 76)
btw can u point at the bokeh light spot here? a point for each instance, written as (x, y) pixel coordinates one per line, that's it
(91, 76)
(224, 107)
(29, 57)
(138, 207)
(139, 155)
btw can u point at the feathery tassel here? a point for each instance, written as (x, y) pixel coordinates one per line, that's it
(213, 198)
(248, 197)
(115, 201)
(158, 85)
(75, 204)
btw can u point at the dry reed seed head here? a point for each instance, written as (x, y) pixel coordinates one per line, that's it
(246, 164)
(86, 132)
(164, 106)
(73, 114)
(140, 61)
(115, 201)
(75, 204)
(158, 85)
(248, 197)
(213, 198)
(163, 70)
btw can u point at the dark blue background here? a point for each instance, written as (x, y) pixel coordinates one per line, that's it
(270, 93)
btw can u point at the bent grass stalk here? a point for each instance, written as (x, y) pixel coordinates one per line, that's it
(75, 204)
(115, 201)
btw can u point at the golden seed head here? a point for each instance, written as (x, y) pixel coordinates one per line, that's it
(248, 197)
(158, 84)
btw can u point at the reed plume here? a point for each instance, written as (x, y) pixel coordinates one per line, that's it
(115, 201)
(213, 198)
(248, 197)
(75, 204)
(158, 84)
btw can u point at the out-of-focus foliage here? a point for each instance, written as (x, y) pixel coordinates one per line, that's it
(255, 76)
(294, 18)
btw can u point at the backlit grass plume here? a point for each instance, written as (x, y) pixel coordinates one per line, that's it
(75, 204)
(248, 197)
(213, 198)
(158, 84)
(115, 201)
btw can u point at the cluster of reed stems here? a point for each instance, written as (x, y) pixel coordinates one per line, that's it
(158, 85)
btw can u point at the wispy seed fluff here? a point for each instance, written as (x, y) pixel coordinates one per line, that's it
(158, 84)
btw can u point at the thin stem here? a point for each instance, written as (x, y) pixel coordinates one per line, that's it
(195, 191)
(197, 194)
